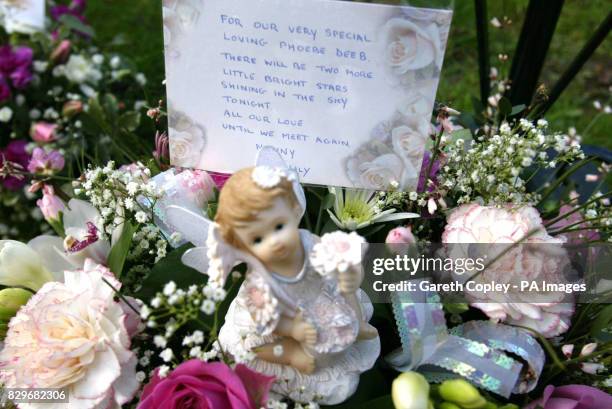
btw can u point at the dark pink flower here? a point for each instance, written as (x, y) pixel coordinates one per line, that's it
(219, 178)
(76, 9)
(572, 397)
(46, 163)
(197, 384)
(5, 90)
(15, 152)
(435, 168)
(15, 64)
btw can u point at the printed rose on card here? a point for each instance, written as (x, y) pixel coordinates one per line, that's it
(344, 91)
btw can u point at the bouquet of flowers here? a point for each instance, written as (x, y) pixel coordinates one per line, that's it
(100, 305)
(64, 101)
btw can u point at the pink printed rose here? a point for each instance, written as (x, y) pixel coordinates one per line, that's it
(207, 385)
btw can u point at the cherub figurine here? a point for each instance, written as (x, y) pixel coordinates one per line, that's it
(306, 327)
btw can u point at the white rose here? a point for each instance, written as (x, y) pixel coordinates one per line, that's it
(411, 47)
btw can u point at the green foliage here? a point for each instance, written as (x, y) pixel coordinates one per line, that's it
(119, 252)
(169, 269)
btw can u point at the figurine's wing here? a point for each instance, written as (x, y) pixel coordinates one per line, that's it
(192, 226)
(197, 259)
(268, 156)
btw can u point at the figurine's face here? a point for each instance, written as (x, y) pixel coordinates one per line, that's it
(274, 234)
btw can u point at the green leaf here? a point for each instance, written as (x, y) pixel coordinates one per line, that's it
(456, 308)
(75, 24)
(517, 109)
(119, 252)
(505, 106)
(170, 268)
(328, 201)
(130, 120)
(602, 323)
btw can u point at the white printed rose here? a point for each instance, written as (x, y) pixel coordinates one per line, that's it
(187, 140)
(379, 173)
(410, 46)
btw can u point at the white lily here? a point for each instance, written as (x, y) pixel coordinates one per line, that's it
(21, 265)
(82, 224)
(357, 208)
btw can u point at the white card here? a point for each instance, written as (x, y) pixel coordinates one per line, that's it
(344, 90)
(22, 16)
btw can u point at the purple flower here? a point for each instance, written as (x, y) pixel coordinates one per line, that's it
(15, 152)
(14, 64)
(5, 90)
(76, 9)
(46, 163)
(572, 397)
(435, 168)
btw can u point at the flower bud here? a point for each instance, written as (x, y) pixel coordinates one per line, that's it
(72, 108)
(43, 132)
(11, 300)
(61, 52)
(463, 393)
(567, 350)
(410, 390)
(588, 349)
(400, 239)
(50, 205)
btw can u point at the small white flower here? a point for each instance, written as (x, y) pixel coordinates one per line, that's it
(166, 355)
(141, 79)
(141, 217)
(163, 371)
(198, 337)
(144, 361)
(97, 59)
(337, 252)
(159, 341)
(208, 307)
(115, 62)
(169, 288)
(413, 196)
(219, 294)
(195, 352)
(140, 376)
(6, 114)
(145, 312)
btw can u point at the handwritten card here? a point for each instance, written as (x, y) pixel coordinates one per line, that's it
(22, 16)
(343, 90)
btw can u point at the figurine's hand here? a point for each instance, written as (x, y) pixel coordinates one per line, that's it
(303, 331)
(350, 280)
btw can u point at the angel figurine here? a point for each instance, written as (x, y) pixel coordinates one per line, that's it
(307, 327)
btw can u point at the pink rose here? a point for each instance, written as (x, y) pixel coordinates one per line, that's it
(43, 132)
(572, 397)
(50, 204)
(206, 385)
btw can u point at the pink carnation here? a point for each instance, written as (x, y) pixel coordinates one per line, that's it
(541, 258)
(43, 132)
(72, 335)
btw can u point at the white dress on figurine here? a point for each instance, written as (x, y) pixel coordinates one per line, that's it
(339, 357)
